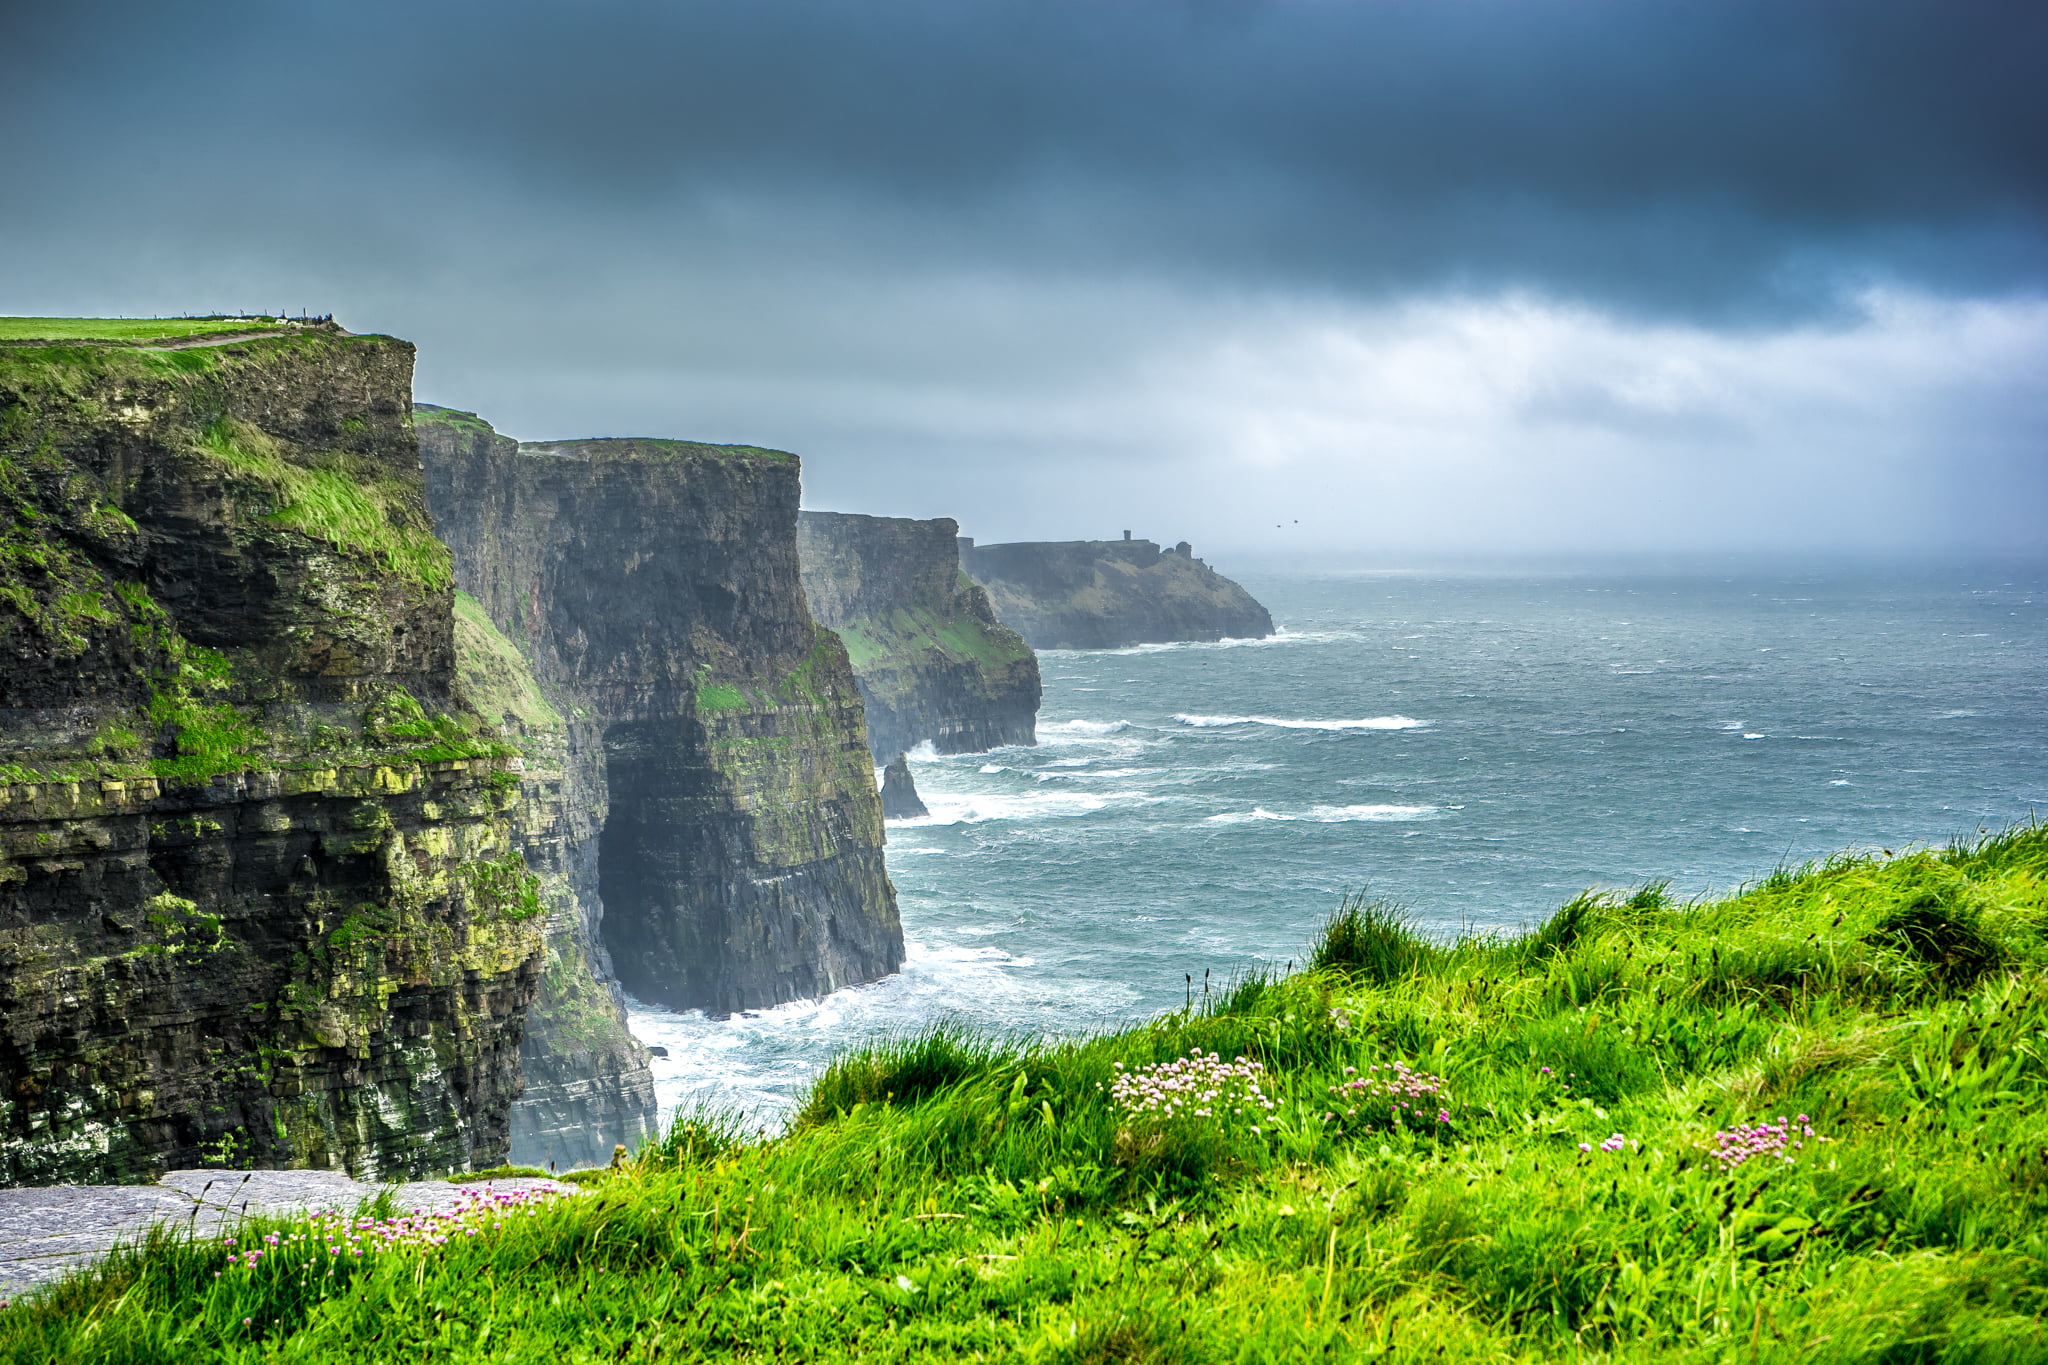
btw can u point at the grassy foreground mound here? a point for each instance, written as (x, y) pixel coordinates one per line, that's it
(1805, 1122)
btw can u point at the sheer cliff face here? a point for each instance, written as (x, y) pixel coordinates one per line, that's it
(932, 662)
(588, 1086)
(654, 586)
(258, 900)
(1109, 594)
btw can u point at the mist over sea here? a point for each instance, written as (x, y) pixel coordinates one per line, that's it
(1478, 746)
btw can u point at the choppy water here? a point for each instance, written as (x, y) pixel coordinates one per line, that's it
(1480, 746)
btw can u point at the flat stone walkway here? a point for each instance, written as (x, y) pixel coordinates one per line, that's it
(47, 1230)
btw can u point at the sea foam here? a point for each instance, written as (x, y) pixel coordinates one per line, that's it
(1057, 731)
(1369, 723)
(1327, 815)
(979, 807)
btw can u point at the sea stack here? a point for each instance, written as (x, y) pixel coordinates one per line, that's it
(900, 800)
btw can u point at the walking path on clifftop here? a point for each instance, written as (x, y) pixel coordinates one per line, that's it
(48, 1230)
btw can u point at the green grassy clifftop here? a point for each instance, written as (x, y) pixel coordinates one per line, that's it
(255, 902)
(1805, 1122)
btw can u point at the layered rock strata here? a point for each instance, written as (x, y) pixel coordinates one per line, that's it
(1110, 594)
(654, 587)
(259, 900)
(587, 1081)
(932, 662)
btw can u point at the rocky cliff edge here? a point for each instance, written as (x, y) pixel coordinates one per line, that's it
(1110, 594)
(259, 901)
(932, 662)
(654, 587)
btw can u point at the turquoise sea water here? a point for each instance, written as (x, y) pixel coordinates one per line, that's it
(1478, 746)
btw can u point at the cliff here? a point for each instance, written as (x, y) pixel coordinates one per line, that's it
(930, 659)
(259, 900)
(587, 1083)
(1108, 594)
(653, 586)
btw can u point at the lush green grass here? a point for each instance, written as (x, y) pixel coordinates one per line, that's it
(346, 502)
(124, 329)
(906, 637)
(951, 1197)
(495, 676)
(661, 449)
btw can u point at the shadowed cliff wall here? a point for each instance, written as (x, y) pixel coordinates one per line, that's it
(931, 660)
(258, 900)
(1110, 594)
(654, 587)
(588, 1086)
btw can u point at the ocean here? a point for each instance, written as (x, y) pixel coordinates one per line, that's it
(1477, 746)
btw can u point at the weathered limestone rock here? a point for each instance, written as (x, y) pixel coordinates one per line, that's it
(933, 664)
(587, 1082)
(1110, 594)
(258, 896)
(900, 800)
(654, 587)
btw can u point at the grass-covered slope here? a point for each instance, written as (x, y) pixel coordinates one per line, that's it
(142, 331)
(1804, 1123)
(933, 664)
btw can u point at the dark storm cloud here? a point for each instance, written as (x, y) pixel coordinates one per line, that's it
(1714, 159)
(1537, 274)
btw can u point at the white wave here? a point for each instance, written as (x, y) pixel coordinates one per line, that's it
(761, 1061)
(1055, 731)
(925, 752)
(1369, 723)
(1282, 636)
(980, 807)
(1329, 815)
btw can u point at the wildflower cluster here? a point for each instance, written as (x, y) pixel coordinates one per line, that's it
(1614, 1142)
(1395, 1093)
(1779, 1139)
(339, 1238)
(1200, 1086)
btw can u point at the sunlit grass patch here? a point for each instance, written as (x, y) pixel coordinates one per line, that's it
(1759, 1128)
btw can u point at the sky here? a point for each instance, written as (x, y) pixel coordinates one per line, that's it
(1365, 282)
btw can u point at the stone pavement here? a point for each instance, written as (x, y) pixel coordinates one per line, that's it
(46, 1230)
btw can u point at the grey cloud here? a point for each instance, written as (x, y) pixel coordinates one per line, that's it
(1722, 159)
(1057, 267)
